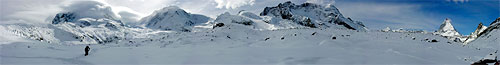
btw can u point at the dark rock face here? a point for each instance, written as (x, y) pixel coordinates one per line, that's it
(64, 17)
(307, 23)
(218, 25)
(434, 40)
(496, 21)
(343, 24)
(243, 22)
(283, 10)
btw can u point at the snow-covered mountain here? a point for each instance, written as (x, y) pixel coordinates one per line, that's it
(489, 38)
(84, 20)
(87, 13)
(89, 23)
(312, 15)
(493, 26)
(173, 18)
(243, 19)
(92, 24)
(447, 30)
(290, 16)
(480, 28)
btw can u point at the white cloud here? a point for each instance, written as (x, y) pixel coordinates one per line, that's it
(143, 7)
(233, 4)
(28, 11)
(43, 11)
(127, 15)
(92, 9)
(101, 9)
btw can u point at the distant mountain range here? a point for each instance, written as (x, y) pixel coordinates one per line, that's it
(101, 25)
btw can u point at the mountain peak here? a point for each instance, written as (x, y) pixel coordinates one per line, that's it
(447, 20)
(170, 9)
(494, 25)
(173, 18)
(447, 29)
(286, 4)
(480, 28)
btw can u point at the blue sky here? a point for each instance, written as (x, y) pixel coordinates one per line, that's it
(375, 14)
(422, 14)
(467, 15)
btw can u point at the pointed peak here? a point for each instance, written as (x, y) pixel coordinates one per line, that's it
(171, 10)
(447, 20)
(480, 27)
(447, 29)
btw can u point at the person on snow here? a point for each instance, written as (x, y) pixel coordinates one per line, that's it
(87, 49)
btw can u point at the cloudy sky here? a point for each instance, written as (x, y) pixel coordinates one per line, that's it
(376, 14)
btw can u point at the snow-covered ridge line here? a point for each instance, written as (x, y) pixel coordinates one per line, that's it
(173, 18)
(482, 31)
(480, 28)
(494, 25)
(489, 38)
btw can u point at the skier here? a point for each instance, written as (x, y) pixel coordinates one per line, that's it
(87, 49)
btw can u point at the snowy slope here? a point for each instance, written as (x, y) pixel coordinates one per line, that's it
(173, 18)
(240, 45)
(9, 37)
(312, 15)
